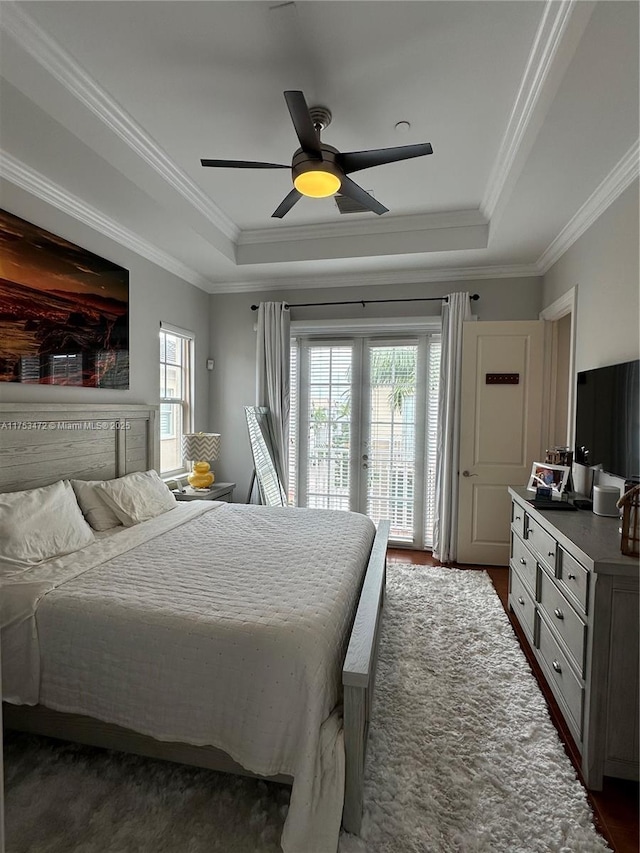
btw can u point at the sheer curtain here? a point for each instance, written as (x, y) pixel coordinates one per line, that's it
(272, 378)
(455, 310)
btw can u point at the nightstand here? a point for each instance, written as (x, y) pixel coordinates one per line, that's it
(217, 492)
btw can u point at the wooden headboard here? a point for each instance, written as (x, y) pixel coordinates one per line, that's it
(40, 444)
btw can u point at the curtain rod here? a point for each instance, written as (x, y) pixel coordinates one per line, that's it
(365, 302)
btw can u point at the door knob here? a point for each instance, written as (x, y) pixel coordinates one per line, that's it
(468, 474)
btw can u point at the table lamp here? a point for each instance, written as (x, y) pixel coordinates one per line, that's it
(200, 448)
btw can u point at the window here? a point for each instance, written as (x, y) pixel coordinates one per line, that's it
(176, 410)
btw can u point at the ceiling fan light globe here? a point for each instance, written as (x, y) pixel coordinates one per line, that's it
(317, 183)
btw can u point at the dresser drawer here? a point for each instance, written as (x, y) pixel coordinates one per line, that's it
(518, 519)
(541, 542)
(561, 677)
(524, 561)
(574, 578)
(522, 604)
(564, 619)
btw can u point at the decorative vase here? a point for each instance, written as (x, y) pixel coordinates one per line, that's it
(201, 477)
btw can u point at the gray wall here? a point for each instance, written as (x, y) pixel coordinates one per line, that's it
(154, 295)
(233, 342)
(603, 263)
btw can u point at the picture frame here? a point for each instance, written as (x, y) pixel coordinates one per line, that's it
(546, 475)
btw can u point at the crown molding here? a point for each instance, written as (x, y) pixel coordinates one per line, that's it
(61, 65)
(23, 176)
(363, 227)
(616, 182)
(554, 39)
(372, 279)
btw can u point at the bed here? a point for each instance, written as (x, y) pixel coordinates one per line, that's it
(234, 637)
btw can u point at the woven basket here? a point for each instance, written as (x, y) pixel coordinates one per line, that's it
(630, 505)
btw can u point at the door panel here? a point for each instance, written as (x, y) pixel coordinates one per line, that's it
(500, 431)
(500, 406)
(389, 460)
(325, 397)
(491, 505)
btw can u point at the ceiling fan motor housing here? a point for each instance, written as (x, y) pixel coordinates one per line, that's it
(304, 162)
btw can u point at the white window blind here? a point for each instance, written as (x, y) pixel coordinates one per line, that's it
(431, 443)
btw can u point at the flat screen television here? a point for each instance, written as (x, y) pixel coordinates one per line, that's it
(608, 419)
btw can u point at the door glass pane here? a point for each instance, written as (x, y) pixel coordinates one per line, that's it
(329, 427)
(391, 447)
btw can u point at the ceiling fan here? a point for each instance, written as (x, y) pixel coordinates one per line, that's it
(320, 170)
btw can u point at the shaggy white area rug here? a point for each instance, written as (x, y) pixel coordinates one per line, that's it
(463, 757)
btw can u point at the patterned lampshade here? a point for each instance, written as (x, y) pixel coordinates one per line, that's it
(200, 446)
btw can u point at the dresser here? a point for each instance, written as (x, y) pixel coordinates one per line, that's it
(576, 598)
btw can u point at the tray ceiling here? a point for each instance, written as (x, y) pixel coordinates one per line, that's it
(531, 108)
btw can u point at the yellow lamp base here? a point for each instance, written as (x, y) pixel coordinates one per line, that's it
(201, 477)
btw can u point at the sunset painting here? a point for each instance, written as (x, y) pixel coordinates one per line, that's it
(64, 312)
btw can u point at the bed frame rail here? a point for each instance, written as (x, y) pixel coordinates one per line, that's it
(358, 678)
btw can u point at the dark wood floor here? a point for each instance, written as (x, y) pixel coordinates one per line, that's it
(615, 808)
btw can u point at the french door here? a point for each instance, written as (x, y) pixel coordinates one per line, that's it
(363, 429)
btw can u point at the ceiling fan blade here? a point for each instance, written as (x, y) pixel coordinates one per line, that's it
(303, 123)
(355, 192)
(286, 204)
(242, 164)
(352, 161)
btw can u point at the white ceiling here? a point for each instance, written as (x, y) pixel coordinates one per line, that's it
(531, 108)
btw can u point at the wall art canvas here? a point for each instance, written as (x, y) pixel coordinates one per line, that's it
(64, 312)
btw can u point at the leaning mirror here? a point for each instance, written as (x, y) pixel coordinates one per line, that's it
(272, 492)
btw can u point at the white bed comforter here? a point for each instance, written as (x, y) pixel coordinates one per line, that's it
(228, 630)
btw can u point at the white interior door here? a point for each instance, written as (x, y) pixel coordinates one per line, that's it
(501, 421)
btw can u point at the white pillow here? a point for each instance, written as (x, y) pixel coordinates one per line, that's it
(93, 505)
(40, 524)
(137, 497)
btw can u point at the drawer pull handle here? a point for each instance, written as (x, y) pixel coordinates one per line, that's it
(558, 613)
(521, 599)
(518, 518)
(556, 666)
(571, 577)
(523, 561)
(551, 554)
